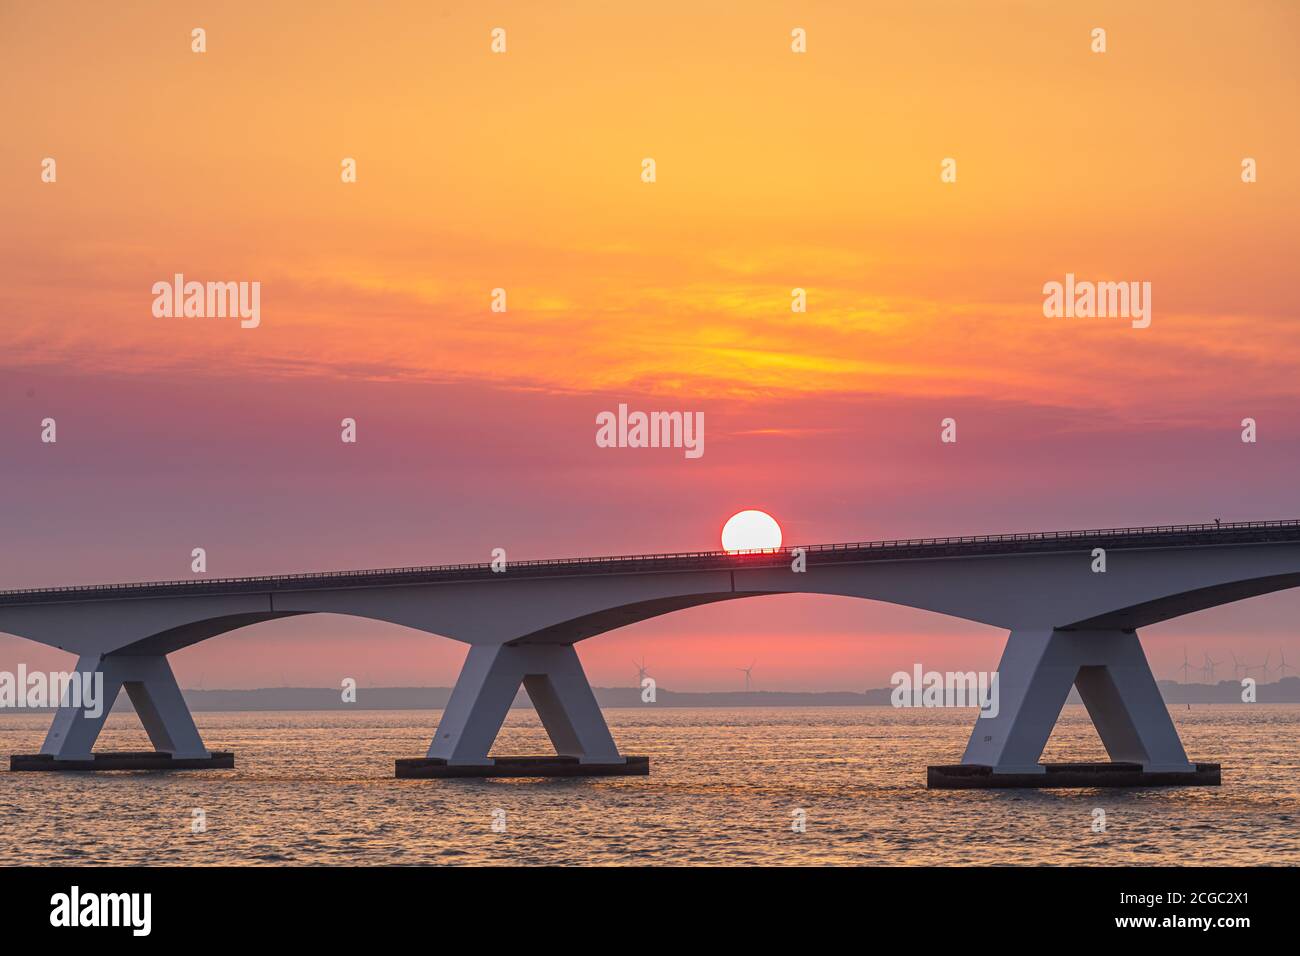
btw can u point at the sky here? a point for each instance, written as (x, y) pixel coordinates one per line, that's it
(522, 170)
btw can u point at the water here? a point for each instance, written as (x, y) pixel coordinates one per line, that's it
(318, 788)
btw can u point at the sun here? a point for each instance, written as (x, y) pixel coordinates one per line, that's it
(751, 531)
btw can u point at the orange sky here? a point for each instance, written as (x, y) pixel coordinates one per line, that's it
(521, 171)
(775, 170)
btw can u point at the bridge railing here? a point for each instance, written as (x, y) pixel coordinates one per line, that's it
(708, 558)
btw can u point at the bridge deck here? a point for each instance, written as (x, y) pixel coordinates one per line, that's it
(1165, 536)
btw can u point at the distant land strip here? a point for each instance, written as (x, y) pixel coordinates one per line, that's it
(1284, 691)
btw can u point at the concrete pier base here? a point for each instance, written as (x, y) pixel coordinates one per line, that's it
(125, 760)
(976, 777)
(545, 766)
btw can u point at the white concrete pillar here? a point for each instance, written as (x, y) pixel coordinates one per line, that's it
(157, 699)
(556, 684)
(1111, 672)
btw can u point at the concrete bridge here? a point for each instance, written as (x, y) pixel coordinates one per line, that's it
(1069, 625)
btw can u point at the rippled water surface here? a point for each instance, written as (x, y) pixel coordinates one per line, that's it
(318, 788)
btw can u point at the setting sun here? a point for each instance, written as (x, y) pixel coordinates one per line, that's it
(751, 531)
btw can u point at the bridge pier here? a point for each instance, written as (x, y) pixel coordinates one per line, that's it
(556, 684)
(1114, 680)
(157, 698)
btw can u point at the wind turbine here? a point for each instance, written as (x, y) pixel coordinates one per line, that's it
(1210, 665)
(1283, 666)
(1247, 668)
(640, 671)
(1237, 666)
(1186, 665)
(1265, 665)
(748, 672)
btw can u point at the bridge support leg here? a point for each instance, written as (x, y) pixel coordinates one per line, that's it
(158, 701)
(1116, 684)
(553, 677)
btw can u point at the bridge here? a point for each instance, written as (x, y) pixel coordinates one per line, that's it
(1069, 625)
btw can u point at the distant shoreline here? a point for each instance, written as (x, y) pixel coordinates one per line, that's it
(1285, 691)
